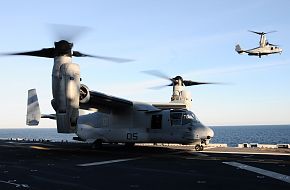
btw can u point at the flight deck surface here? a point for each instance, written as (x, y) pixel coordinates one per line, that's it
(48, 165)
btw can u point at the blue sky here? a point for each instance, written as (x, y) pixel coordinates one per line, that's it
(195, 39)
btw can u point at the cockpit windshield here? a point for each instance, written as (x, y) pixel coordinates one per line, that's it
(182, 118)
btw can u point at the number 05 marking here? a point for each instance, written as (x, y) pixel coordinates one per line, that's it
(132, 136)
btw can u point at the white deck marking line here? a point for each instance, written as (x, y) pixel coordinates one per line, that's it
(108, 162)
(10, 182)
(271, 174)
(258, 153)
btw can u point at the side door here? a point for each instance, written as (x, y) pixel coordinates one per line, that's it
(156, 121)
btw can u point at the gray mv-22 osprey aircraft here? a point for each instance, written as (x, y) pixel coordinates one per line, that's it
(265, 47)
(113, 119)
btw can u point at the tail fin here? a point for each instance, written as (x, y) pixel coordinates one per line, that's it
(33, 110)
(239, 49)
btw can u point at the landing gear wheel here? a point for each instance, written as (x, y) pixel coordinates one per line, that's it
(201, 148)
(198, 147)
(97, 144)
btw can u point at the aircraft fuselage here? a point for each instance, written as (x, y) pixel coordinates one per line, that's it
(135, 126)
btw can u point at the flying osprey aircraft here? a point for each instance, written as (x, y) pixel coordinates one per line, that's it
(265, 48)
(113, 119)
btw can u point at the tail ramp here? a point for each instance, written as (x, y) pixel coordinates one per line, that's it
(239, 49)
(33, 111)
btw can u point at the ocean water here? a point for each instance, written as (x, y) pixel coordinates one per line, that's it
(231, 135)
(262, 134)
(35, 133)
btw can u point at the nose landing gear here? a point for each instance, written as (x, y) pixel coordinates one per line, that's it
(198, 147)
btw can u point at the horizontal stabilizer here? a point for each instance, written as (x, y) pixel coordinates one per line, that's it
(49, 116)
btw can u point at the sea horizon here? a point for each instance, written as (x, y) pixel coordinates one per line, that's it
(230, 135)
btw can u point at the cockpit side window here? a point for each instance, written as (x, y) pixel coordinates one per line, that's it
(189, 117)
(186, 119)
(182, 118)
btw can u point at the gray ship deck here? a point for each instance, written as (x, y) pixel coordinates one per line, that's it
(47, 165)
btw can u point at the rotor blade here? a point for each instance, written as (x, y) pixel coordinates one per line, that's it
(159, 87)
(260, 33)
(69, 33)
(193, 83)
(271, 32)
(45, 52)
(114, 59)
(158, 74)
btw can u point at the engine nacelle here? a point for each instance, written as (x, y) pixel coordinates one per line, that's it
(69, 87)
(84, 94)
(67, 99)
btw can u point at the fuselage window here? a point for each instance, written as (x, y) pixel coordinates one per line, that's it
(175, 118)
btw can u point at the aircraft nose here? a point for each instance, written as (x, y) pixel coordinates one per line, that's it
(210, 132)
(203, 132)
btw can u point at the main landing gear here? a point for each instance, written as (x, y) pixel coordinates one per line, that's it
(198, 147)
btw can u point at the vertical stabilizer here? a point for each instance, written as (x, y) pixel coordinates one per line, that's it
(33, 110)
(239, 49)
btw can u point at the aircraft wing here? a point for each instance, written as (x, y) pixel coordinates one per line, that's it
(105, 103)
(170, 105)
